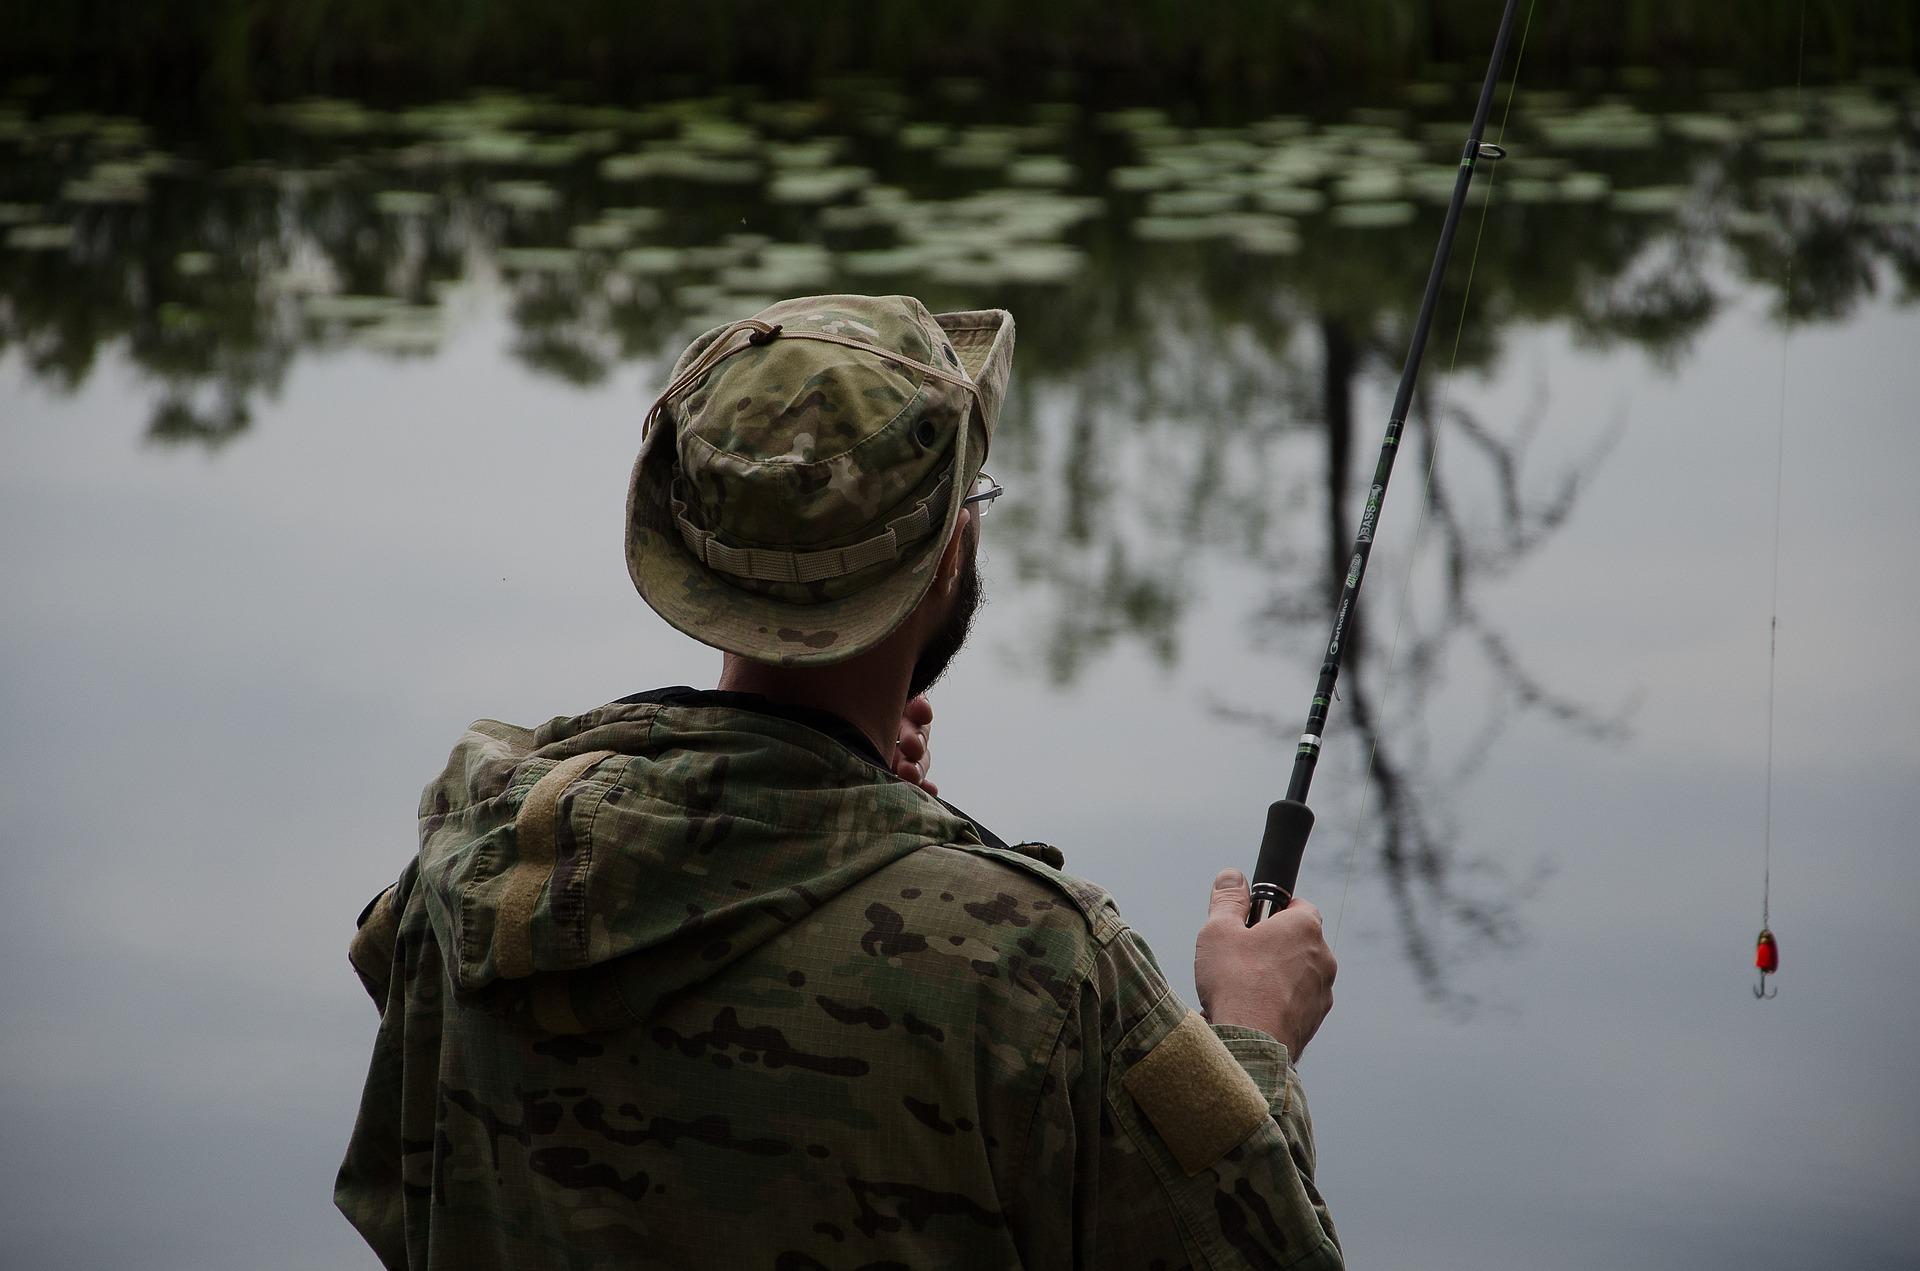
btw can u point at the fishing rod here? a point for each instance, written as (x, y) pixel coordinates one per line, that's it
(1290, 820)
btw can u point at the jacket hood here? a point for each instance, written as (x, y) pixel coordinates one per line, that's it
(579, 872)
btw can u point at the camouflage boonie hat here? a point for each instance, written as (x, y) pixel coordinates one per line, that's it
(804, 467)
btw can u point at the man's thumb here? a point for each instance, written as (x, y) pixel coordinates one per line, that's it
(1230, 897)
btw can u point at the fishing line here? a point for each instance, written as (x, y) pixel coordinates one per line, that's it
(1426, 492)
(1289, 819)
(1767, 956)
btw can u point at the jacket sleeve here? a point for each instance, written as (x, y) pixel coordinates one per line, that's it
(1187, 1146)
(382, 1170)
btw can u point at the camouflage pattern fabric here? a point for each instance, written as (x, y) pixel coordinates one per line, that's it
(794, 445)
(694, 986)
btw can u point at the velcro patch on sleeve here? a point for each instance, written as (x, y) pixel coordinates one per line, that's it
(1198, 1097)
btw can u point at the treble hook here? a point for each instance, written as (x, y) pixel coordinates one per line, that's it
(1766, 959)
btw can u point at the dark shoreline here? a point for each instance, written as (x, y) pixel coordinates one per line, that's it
(163, 58)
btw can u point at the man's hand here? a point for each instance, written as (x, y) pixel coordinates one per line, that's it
(1276, 977)
(912, 755)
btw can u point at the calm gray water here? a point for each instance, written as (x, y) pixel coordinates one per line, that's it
(314, 455)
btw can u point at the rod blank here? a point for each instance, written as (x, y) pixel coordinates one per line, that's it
(1276, 872)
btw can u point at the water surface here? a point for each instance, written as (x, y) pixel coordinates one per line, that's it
(317, 450)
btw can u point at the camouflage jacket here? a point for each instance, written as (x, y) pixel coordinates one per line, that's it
(684, 985)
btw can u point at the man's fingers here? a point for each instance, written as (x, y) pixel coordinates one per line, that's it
(912, 747)
(1305, 911)
(1230, 898)
(920, 711)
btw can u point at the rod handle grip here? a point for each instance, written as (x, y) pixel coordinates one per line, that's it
(1281, 847)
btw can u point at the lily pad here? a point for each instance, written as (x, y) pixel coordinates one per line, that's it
(885, 261)
(1530, 190)
(1291, 200)
(1805, 187)
(40, 238)
(638, 219)
(652, 261)
(1747, 222)
(1779, 123)
(113, 188)
(1143, 177)
(1607, 126)
(1385, 215)
(543, 260)
(853, 217)
(1651, 200)
(332, 116)
(601, 236)
(1377, 186)
(720, 137)
(1041, 170)
(1851, 112)
(1033, 263)
(524, 196)
(924, 136)
(351, 308)
(1191, 203)
(811, 154)
(1891, 215)
(1298, 165)
(1707, 128)
(404, 202)
(827, 185)
(1265, 235)
(783, 268)
(1585, 187)
(975, 158)
(1183, 229)
(680, 165)
(408, 331)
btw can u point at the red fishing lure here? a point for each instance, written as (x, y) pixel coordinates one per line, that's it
(1766, 957)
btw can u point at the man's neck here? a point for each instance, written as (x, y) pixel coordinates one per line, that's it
(868, 691)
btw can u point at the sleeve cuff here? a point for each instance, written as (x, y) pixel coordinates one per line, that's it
(1264, 1059)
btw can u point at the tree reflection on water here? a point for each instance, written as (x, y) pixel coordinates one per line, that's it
(1446, 907)
(1198, 307)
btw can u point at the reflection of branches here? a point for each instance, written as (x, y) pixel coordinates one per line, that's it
(1415, 850)
(1660, 303)
(1521, 528)
(1418, 861)
(1440, 922)
(178, 420)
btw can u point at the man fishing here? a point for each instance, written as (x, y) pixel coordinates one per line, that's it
(713, 978)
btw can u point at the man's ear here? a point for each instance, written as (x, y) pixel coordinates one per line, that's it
(946, 573)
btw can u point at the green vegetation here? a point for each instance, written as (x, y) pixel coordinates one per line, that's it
(151, 55)
(618, 230)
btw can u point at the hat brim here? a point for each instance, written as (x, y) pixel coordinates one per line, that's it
(701, 603)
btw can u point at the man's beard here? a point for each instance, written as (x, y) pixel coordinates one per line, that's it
(952, 634)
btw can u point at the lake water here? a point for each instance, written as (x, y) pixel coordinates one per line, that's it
(315, 445)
